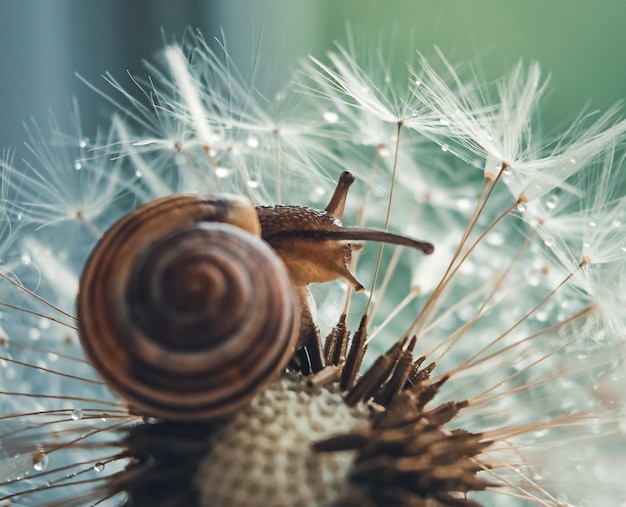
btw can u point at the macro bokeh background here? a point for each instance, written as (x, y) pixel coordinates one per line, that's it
(44, 43)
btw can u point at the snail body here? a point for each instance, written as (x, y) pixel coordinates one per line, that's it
(189, 305)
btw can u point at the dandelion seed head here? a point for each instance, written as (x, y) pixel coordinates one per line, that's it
(276, 433)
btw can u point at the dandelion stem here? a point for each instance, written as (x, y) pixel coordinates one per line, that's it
(361, 223)
(395, 258)
(519, 372)
(525, 495)
(496, 287)
(59, 397)
(521, 320)
(54, 372)
(277, 164)
(36, 296)
(37, 314)
(407, 299)
(469, 364)
(427, 310)
(387, 216)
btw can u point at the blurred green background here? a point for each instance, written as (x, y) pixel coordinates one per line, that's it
(43, 43)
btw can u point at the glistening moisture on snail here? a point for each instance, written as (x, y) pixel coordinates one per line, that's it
(216, 372)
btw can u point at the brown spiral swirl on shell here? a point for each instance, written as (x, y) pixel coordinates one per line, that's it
(184, 310)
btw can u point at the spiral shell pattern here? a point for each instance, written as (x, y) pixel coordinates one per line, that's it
(184, 310)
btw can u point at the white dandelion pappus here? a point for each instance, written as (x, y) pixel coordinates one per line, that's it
(508, 351)
(501, 131)
(240, 132)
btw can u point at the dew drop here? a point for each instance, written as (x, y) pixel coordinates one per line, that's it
(549, 242)
(254, 182)
(444, 121)
(34, 333)
(252, 142)
(40, 461)
(552, 202)
(223, 172)
(317, 194)
(521, 207)
(78, 165)
(104, 417)
(383, 151)
(417, 82)
(99, 466)
(330, 116)
(572, 161)
(25, 259)
(495, 239)
(463, 204)
(593, 223)
(445, 147)
(77, 414)
(83, 143)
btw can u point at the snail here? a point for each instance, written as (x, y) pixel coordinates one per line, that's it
(189, 305)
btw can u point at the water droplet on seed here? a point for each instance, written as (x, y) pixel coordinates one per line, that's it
(223, 172)
(77, 414)
(40, 461)
(552, 201)
(330, 116)
(254, 182)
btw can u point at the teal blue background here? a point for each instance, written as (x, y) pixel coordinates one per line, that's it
(44, 42)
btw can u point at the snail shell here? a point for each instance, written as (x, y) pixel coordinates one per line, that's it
(184, 310)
